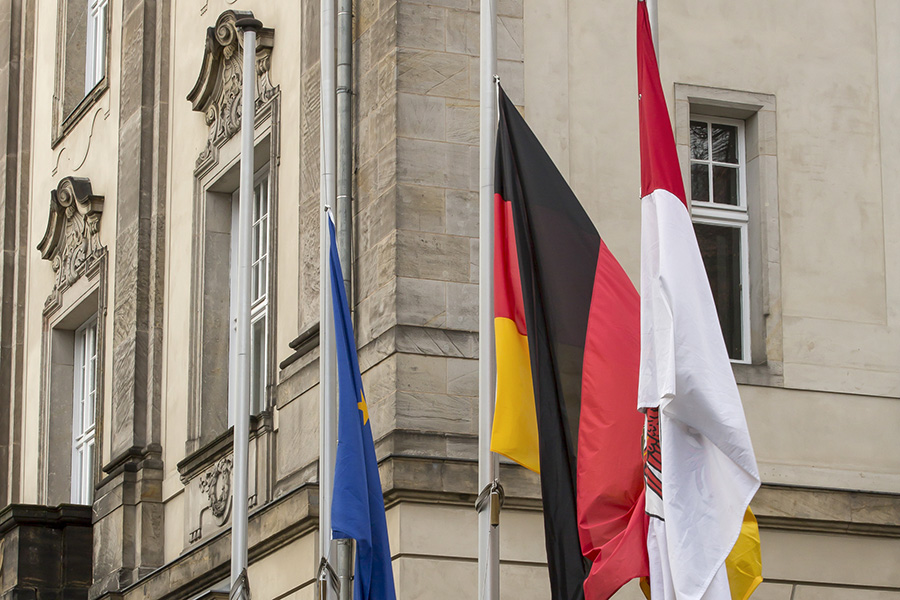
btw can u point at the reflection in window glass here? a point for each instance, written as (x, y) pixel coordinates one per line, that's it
(720, 248)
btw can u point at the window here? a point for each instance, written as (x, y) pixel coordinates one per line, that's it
(84, 413)
(719, 211)
(259, 278)
(726, 140)
(81, 57)
(95, 61)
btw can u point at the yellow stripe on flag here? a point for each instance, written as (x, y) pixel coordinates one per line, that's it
(744, 563)
(515, 433)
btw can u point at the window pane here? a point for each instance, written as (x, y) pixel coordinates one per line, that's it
(721, 251)
(257, 364)
(725, 185)
(724, 143)
(699, 145)
(700, 183)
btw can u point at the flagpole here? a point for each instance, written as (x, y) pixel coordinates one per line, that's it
(327, 367)
(240, 498)
(653, 15)
(488, 463)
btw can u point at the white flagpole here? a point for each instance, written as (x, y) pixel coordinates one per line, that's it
(488, 464)
(242, 394)
(327, 367)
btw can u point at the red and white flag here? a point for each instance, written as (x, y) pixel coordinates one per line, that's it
(700, 468)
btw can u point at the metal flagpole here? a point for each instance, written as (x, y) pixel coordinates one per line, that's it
(653, 14)
(327, 367)
(488, 463)
(242, 394)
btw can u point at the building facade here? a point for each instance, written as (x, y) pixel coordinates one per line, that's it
(119, 124)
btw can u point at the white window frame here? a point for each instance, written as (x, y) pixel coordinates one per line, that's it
(259, 305)
(84, 412)
(96, 43)
(727, 215)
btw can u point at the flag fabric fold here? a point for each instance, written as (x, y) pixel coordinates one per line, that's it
(357, 508)
(700, 469)
(567, 317)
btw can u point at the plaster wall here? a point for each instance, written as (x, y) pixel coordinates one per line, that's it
(836, 161)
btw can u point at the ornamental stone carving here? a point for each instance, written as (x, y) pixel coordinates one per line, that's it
(72, 240)
(216, 484)
(217, 92)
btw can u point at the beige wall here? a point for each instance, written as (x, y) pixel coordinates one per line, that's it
(836, 162)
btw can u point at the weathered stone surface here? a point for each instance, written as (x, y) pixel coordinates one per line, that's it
(436, 412)
(420, 117)
(432, 73)
(432, 256)
(462, 213)
(462, 122)
(376, 313)
(298, 434)
(420, 26)
(46, 551)
(462, 306)
(376, 221)
(440, 342)
(463, 32)
(510, 39)
(375, 268)
(421, 302)
(420, 208)
(462, 377)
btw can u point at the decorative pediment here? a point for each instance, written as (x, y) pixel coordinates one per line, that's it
(72, 239)
(217, 92)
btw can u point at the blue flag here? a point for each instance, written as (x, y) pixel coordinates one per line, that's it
(357, 507)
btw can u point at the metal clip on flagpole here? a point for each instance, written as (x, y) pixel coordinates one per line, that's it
(497, 496)
(325, 579)
(239, 581)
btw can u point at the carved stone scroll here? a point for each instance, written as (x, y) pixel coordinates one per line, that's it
(72, 239)
(217, 92)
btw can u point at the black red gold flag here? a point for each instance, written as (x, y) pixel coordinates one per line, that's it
(567, 316)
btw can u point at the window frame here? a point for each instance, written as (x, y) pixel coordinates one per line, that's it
(97, 31)
(757, 110)
(65, 120)
(728, 215)
(259, 306)
(83, 472)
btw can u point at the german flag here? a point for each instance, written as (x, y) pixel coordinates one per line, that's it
(568, 334)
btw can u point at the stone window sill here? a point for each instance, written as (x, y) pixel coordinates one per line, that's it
(83, 107)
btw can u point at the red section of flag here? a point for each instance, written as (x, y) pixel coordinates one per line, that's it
(611, 517)
(659, 161)
(507, 282)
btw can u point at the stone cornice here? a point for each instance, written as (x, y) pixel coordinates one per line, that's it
(17, 515)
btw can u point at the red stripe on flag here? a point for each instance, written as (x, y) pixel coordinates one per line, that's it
(507, 281)
(659, 161)
(610, 466)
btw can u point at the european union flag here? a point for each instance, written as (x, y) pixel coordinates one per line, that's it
(357, 507)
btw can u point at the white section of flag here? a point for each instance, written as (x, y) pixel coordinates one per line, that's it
(709, 472)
